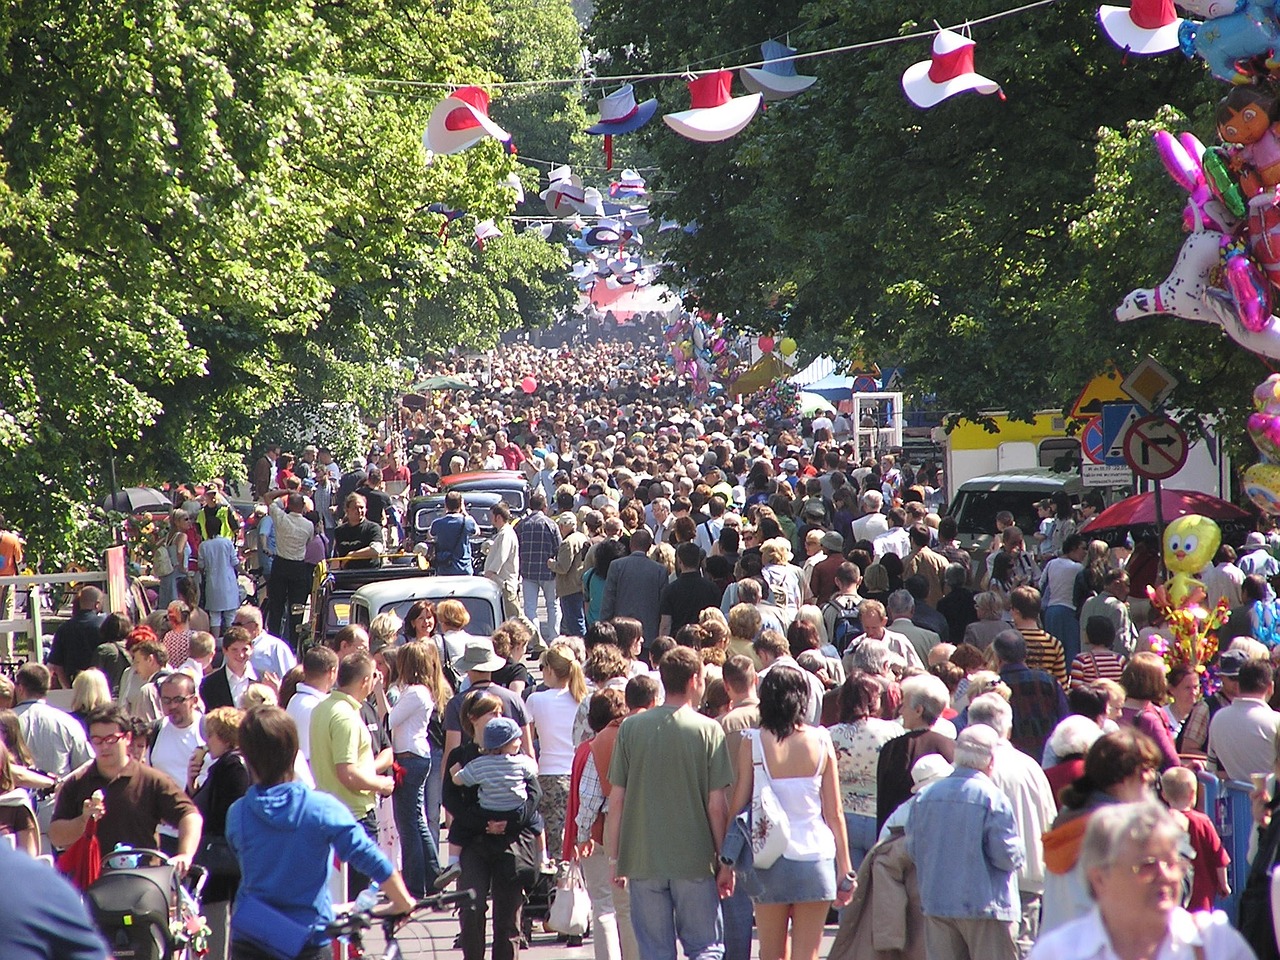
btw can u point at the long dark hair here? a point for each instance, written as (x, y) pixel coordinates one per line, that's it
(784, 701)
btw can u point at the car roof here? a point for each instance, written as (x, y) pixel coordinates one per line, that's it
(378, 595)
(1029, 478)
(479, 498)
(495, 477)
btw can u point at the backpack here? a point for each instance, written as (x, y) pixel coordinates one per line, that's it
(847, 625)
(162, 560)
(777, 591)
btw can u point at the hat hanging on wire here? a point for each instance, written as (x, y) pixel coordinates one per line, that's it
(777, 79)
(714, 114)
(619, 114)
(947, 72)
(460, 121)
(486, 230)
(1145, 27)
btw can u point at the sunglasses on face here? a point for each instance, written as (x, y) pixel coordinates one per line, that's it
(108, 740)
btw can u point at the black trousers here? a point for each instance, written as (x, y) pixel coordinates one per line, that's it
(289, 584)
(492, 872)
(357, 881)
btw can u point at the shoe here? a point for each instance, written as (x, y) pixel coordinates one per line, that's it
(448, 875)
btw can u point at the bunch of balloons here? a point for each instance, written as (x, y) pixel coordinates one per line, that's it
(1262, 480)
(779, 401)
(1190, 543)
(703, 348)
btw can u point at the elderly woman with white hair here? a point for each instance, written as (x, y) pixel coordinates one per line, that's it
(1130, 860)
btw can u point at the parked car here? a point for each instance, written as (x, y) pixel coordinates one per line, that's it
(511, 485)
(334, 586)
(979, 499)
(481, 597)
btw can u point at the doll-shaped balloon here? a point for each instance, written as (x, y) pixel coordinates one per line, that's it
(1246, 119)
(1190, 544)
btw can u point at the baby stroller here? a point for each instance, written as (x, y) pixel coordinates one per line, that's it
(144, 910)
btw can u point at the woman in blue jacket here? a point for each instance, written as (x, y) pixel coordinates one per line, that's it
(281, 833)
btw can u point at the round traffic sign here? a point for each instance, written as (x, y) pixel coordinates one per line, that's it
(1091, 441)
(1155, 447)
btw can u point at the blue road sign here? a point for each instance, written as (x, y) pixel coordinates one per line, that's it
(1091, 440)
(1117, 418)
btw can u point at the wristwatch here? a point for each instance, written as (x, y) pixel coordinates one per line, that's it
(725, 861)
(846, 882)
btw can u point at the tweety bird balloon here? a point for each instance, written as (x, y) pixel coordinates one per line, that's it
(1190, 544)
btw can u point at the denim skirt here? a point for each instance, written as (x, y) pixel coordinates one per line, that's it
(797, 881)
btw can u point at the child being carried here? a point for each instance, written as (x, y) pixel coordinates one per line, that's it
(502, 775)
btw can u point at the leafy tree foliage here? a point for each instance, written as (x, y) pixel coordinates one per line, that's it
(983, 243)
(206, 209)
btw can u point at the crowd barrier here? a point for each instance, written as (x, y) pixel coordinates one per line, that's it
(1226, 803)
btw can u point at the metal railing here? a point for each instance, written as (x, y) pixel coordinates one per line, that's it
(33, 624)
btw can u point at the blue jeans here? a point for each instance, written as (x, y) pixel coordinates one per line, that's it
(1063, 623)
(738, 917)
(548, 590)
(662, 910)
(862, 836)
(573, 618)
(434, 789)
(417, 848)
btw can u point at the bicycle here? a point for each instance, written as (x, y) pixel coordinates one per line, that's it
(352, 925)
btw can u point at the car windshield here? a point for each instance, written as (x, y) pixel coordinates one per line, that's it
(426, 514)
(975, 510)
(481, 624)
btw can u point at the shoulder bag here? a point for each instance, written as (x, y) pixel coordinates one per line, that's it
(769, 836)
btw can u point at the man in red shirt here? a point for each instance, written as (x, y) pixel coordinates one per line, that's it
(511, 455)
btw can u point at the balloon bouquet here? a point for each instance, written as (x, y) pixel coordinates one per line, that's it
(1228, 270)
(1190, 543)
(702, 348)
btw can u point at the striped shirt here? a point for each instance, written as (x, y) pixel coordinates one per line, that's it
(1096, 665)
(1044, 652)
(502, 779)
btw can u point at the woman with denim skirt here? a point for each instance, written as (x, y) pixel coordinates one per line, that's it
(799, 763)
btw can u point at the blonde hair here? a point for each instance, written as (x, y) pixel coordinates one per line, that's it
(744, 621)
(257, 695)
(775, 550)
(90, 690)
(224, 723)
(665, 554)
(986, 681)
(452, 615)
(384, 628)
(559, 659)
(1178, 785)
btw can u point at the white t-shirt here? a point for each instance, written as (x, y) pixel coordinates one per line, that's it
(552, 713)
(303, 701)
(173, 749)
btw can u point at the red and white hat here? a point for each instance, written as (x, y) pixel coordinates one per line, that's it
(461, 120)
(949, 71)
(1145, 27)
(486, 230)
(714, 115)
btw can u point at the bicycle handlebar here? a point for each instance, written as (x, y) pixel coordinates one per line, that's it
(358, 920)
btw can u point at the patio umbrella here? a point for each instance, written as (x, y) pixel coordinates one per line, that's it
(811, 403)
(444, 383)
(133, 499)
(1140, 510)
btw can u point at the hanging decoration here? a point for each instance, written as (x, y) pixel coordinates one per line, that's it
(619, 114)
(1262, 480)
(948, 71)
(1145, 28)
(460, 121)
(777, 78)
(714, 114)
(449, 213)
(486, 230)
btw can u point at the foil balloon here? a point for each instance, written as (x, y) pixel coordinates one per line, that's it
(1262, 486)
(1190, 543)
(1228, 43)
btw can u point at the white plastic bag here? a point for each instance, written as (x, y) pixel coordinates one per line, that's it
(570, 907)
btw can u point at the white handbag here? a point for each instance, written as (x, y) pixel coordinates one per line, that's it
(769, 835)
(571, 906)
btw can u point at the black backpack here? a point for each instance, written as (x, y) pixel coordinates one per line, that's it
(847, 625)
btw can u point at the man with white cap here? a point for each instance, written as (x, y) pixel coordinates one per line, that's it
(925, 772)
(478, 662)
(1029, 793)
(964, 839)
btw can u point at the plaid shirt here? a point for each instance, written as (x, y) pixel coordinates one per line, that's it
(1038, 704)
(539, 541)
(591, 801)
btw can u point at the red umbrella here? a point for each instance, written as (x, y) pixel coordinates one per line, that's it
(1140, 510)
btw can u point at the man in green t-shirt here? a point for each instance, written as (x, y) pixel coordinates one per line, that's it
(668, 810)
(342, 758)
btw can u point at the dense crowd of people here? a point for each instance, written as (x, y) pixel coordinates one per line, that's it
(771, 683)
